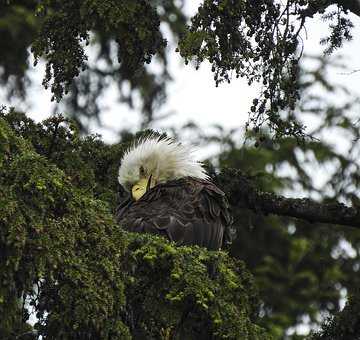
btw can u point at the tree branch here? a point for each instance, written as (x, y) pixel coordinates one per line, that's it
(243, 193)
(316, 6)
(351, 5)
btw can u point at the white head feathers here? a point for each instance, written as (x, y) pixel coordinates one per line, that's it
(164, 159)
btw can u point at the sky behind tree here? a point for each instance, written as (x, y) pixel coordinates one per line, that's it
(192, 96)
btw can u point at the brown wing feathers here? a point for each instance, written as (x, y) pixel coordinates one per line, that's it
(187, 211)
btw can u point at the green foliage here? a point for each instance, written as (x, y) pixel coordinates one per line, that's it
(261, 41)
(18, 27)
(292, 260)
(340, 30)
(257, 40)
(123, 36)
(66, 24)
(61, 239)
(238, 36)
(64, 258)
(301, 268)
(194, 293)
(50, 177)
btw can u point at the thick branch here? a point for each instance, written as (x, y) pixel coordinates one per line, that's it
(306, 209)
(243, 193)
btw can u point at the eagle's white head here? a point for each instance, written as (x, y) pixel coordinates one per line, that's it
(152, 160)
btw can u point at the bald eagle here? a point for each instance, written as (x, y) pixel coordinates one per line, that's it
(170, 194)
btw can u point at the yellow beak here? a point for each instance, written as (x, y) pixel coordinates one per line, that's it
(141, 187)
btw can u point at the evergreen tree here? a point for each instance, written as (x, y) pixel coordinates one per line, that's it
(63, 255)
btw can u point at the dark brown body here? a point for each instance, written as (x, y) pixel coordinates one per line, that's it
(188, 211)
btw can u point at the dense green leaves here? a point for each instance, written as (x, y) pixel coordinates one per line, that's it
(67, 24)
(52, 180)
(260, 41)
(56, 237)
(303, 270)
(64, 259)
(121, 40)
(18, 27)
(243, 37)
(198, 294)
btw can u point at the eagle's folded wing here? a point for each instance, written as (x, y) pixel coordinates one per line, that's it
(186, 211)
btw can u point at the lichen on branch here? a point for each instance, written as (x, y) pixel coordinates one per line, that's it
(243, 193)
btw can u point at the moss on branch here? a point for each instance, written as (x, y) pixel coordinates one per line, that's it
(243, 194)
(64, 258)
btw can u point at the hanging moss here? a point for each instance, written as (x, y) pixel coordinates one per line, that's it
(64, 258)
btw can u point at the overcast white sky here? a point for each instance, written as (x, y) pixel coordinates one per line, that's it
(193, 95)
